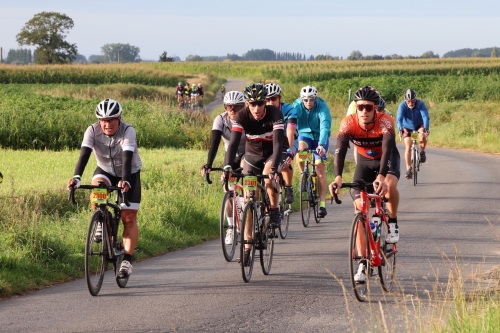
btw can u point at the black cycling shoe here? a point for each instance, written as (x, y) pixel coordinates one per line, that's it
(409, 174)
(322, 212)
(275, 218)
(289, 197)
(246, 258)
(423, 158)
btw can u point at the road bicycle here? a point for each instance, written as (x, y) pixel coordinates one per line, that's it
(232, 206)
(374, 251)
(415, 156)
(309, 189)
(100, 251)
(256, 217)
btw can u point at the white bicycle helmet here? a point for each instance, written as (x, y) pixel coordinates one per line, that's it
(273, 89)
(199, 84)
(234, 98)
(308, 91)
(108, 108)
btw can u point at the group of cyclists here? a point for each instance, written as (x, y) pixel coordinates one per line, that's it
(262, 135)
(187, 94)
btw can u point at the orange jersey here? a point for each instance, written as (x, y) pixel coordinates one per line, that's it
(369, 141)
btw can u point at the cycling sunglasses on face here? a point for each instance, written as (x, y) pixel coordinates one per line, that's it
(367, 107)
(310, 100)
(234, 108)
(274, 98)
(258, 103)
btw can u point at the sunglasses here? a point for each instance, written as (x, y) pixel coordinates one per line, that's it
(308, 100)
(274, 98)
(234, 108)
(411, 100)
(108, 120)
(367, 107)
(258, 103)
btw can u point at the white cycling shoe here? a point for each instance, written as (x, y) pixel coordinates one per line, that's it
(393, 234)
(360, 276)
(229, 237)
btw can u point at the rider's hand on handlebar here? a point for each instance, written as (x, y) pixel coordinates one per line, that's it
(228, 170)
(320, 150)
(273, 174)
(335, 185)
(382, 187)
(74, 182)
(205, 169)
(124, 185)
(290, 154)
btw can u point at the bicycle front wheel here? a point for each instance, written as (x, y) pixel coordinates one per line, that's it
(267, 249)
(305, 207)
(315, 198)
(227, 230)
(415, 166)
(387, 271)
(96, 257)
(249, 221)
(285, 210)
(356, 257)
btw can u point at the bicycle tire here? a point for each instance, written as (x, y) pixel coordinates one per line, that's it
(96, 257)
(415, 166)
(285, 217)
(315, 200)
(305, 211)
(266, 252)
(246, 271)
(360, 289)
(118, 245)
(227, 250)
(387, 271)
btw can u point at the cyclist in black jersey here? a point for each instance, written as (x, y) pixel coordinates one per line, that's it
(264, 129)
(118, 164)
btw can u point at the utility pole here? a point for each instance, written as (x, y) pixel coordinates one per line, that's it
(1, 55)
(118, 56)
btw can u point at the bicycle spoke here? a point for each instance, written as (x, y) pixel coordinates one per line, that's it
(95, 254)
(228, 209)
(305, 207)
(356, 257)
(387, 271)
(249, 222)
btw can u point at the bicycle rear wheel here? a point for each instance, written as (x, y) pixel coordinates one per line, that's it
(249, 214)
(386, 272)
(227, 208)
(360, 289)
(315, 198)
(96, 257)
(266, 253)
(305, 207)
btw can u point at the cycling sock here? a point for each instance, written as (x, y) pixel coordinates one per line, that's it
(393, 220)
(127, 257)
(322, 204)
(230, 220)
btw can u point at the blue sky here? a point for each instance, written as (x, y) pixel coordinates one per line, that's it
(218, 27)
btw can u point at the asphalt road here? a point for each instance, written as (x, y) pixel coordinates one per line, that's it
(449, 221)
(231, 84)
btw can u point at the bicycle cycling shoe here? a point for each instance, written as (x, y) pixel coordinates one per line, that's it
(98, 233)
(275, 218)
(125, 269)
(246, 258)
(409, 174)
(422, 157)
(289, 197)
(322, 212)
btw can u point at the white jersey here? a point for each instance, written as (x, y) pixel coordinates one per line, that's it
(108, 149)
(223, 124)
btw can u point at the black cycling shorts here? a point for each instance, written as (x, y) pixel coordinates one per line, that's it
(255, 163)
(367, 169)
(133, 194)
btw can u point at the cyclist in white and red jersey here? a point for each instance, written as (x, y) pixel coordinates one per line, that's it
(179, 92)
(290, 143)
(118, 164)
(263, 127)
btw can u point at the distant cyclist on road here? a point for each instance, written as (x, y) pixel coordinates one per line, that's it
(222, 90)
(187, 92)
(194, 94)
(201, 93)
(413, 116)
(374, 134)
(118, 164)
(179, 92)
(290, 145)
(263, 127)
(234, 102)
(313, 124)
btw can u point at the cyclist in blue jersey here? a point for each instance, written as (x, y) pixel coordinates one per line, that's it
(413, 116)
(313, 124)
(290, 144)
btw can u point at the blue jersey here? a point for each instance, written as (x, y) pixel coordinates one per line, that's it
(413, 118)
(289, 113)
(316, 123)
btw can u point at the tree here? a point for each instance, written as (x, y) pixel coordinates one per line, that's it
(355, 55)
(494, 52)
(429, 54)
(164, 58)
(96, 59)
(192, 57)
(48, 30)
(121, 53)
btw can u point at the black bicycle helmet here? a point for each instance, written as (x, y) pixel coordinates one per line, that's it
(367, 93)
(410, 94)
(255, 92)
(381, 104)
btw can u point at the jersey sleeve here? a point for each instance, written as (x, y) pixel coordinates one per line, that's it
(342, 145)
(218, 124)
(88, 138)
(129, 139)
(325, 125)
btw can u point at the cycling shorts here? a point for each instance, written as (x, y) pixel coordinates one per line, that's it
(312, 145)
(407, 131)
(255, 163)
(133, 194)
(367, 169)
